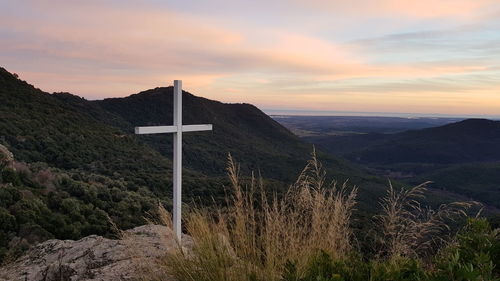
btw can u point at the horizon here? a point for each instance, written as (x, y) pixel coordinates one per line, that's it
(403, 115)
(313, 113)
(433, 57)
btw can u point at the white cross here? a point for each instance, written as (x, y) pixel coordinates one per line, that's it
(177, 128)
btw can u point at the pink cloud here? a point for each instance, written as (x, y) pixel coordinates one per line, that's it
(164, 41)
(98, 50)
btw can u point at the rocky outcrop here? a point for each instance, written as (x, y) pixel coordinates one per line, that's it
(95, 258)
(6, 157)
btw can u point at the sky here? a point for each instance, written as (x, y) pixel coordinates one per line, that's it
(397, 56)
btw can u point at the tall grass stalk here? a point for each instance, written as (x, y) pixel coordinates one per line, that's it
(255, 236)
(410, 230)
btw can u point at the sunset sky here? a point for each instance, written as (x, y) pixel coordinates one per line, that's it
(417, 56)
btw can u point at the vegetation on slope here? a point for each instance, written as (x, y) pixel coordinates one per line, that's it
(478, 180)
(471, 140)
(461, 158)
(37, 127)
(69, 132)
(39, 203)
(240, 129)
(78, 163)
(308, 236)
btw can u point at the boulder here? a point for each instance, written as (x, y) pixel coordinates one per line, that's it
(6, 157)
(96, 258)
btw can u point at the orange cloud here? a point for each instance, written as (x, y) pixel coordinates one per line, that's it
(169, 42)
(99, 50)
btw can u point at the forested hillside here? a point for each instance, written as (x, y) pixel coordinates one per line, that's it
(471, 140)
(77, 164)
(70, 171)
(461, 157)
(241, 129)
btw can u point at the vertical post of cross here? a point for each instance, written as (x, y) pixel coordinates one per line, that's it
(177, 169)
(177, 128)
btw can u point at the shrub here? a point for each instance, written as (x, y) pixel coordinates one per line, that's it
(397, 269)
(8, 175)
(475, 255)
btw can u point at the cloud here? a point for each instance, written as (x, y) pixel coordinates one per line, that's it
(422, 9)
(150, 41)
(115, 48)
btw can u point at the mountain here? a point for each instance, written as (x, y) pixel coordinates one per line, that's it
(471, 140)
(252, 137)
(69, 132)
(71, 171)
(78, 163)
(38, 127)
(461, 157)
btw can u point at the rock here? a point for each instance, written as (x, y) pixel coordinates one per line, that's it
(96, 258)
(6, 157)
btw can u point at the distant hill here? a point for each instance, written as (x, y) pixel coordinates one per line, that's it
(471, 140)
(308, 126)
(461, 157)
(480, 181)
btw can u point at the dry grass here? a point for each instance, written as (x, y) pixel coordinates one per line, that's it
(255, 236)
(258, 233)
(410, 230)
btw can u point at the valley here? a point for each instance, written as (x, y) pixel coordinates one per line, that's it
(78, 168)
(457, 155)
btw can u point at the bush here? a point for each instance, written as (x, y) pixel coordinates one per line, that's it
(8, 175)
(474, 256)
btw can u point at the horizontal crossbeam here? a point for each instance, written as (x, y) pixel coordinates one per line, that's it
(155, 130)
(171, 129)
(197, 128)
